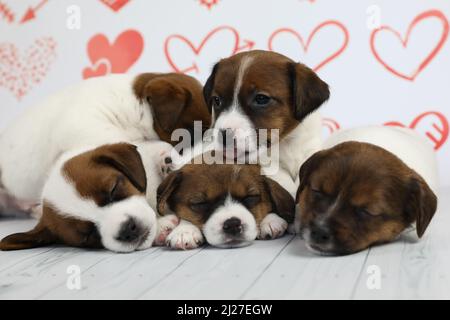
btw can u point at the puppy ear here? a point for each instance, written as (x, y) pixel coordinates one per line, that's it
(309, 92)
(282, 202)
(125, 158)
(422, 204)
(38, 237)
(311, 164)
(165, 190)
(167, 98)
(209, 86)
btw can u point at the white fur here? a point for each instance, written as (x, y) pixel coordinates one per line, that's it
(165, 226)
(413, 149)
(153, 154)
(95, 112)
(213, 228)
(185, 236)
(272, 227)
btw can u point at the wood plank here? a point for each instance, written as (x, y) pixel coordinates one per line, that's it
(299, 274)
(32, 277)
(123, 276)
(217, 273)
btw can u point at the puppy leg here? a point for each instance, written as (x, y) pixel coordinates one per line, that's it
(14, 207)
(185, 236)
(272, 227)
(165, 226)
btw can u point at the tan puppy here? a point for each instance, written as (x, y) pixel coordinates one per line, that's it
(356, 194)
(231, 205)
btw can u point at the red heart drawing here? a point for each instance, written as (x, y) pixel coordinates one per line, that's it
(425, 15)
(442, 131)
(115, 5)
(101, 68)
(305, 45)
(19, 72)
(121, 55)
(236, 47)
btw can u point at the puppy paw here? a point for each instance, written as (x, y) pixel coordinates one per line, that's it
(166, 163)
(165, 226)
(184, 237)
(272, 227)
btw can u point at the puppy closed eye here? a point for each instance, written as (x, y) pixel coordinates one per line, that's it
(318, 195)
(251, 200)
(115, 193)
(200, 206)
(362, 212)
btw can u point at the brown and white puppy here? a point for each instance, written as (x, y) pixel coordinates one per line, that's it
(265, 90)
(367, 188)
(95, 112)
(100, 198)
(231, 205)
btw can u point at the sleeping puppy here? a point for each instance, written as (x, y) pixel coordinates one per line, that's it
(231, 204)
(97, 111)
(265, 90)
(100, 198)
(367, 188)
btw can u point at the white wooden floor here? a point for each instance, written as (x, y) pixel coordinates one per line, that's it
(279, 269)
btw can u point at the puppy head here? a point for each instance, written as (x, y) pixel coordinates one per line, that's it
(176, 101)
(260, 90)
(355, 195)
(226, 202)
(94, 199)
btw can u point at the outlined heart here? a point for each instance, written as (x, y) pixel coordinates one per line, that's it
(19, 72)
(438, 136)
(331, 124)
(305, 45)
(121, 55)
(235, 47)
(404, 41)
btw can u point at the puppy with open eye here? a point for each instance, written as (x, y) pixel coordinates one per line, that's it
(367, 188)
(100, 198)
(230, 205)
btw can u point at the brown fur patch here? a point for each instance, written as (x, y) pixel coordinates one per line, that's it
(97, 173)
(176, 101)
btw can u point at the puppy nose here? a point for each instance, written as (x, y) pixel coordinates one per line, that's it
(130, 231)
(320, 235)
(232, 226)
(227, 136)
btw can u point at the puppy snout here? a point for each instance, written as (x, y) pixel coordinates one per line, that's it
(232, 226)
(227, 136)
(130, 231)
(320, 235)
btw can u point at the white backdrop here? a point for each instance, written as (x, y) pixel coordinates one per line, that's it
(386, 61)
